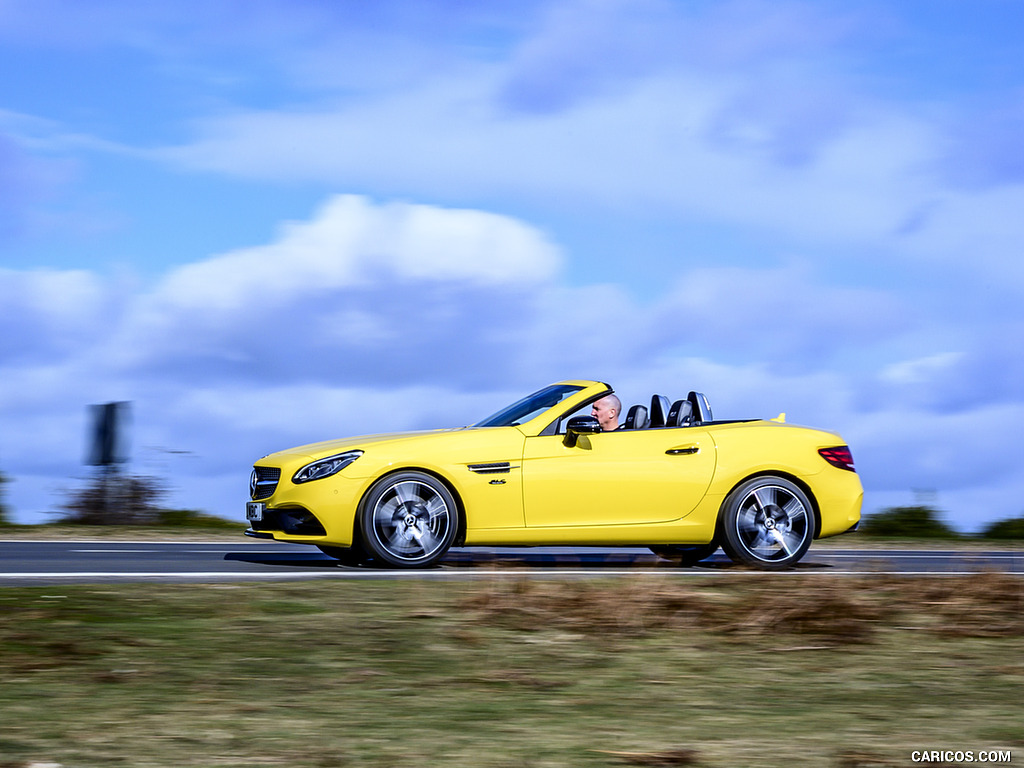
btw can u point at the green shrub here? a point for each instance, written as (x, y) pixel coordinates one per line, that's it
(188, 518)
(112, 498)
(907, 522)
(1012, 528)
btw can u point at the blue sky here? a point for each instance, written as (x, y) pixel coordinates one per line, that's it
(267, 223)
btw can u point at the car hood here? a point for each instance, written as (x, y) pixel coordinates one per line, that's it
(330, 447)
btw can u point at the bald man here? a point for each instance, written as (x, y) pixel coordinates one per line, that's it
(606, 411)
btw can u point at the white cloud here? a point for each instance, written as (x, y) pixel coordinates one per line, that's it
(919, 371)
(355, 278)
(786, 317)
(672, 141)
(764, 115)
(46, 312)
(946, 451)
(976, 232)
(351, 242)
(587, 48)
(735, 115)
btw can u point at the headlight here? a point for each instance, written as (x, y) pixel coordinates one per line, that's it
(325, 467)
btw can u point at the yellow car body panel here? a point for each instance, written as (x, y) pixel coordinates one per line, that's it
(618, 478)
(526, 484)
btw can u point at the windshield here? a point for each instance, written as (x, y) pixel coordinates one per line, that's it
(530, 406)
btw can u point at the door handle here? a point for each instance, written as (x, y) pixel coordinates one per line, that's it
(684, 451)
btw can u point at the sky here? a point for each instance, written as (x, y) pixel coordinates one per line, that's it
(270, 222)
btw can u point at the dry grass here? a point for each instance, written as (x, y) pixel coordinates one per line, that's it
(629, 608)
(838, 610)
(669, 757)
(984, 605)
(779, 670)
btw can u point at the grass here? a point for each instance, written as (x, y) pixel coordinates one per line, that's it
(777, 671)
(218, 530)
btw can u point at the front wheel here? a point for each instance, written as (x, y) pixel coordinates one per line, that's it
(767, 522)
(409, 520)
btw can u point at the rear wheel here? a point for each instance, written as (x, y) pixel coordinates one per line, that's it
(409, 520)
(686, 555)
(767, 522)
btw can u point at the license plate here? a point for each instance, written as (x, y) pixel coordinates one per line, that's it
(254, 511)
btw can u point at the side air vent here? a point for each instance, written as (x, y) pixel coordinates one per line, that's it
(493, 468)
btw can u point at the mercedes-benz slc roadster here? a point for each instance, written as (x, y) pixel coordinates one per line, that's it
(542, 472)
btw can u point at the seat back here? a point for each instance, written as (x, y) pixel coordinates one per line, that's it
(636, 418)
(659, 411)
(701, 408)
(681, 413)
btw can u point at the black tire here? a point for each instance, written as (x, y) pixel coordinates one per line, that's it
(767, 522)
(686, 555)
(353, 555)
(408, 520)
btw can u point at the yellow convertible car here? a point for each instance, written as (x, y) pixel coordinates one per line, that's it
(543, 472)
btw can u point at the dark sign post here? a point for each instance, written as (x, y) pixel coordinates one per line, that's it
(108, 447)
(108, 442)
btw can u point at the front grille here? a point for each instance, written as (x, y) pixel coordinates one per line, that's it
(263, 482)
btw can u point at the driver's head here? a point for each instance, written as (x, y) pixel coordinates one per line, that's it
(606, 411)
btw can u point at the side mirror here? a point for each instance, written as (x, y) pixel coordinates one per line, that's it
(580, 425)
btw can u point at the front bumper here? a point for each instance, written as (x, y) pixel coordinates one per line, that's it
(291, 521)
(316, 512)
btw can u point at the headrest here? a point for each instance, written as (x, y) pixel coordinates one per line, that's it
(636, 418)
(701, 408)
(659, 410)
(680, 414)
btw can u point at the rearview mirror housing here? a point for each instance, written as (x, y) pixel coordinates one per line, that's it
(580, 425)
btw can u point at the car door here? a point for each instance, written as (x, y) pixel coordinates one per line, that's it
(616, 478)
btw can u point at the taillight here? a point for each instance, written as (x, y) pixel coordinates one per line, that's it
(839, 456)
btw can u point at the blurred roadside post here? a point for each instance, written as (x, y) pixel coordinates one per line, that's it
(108, 447)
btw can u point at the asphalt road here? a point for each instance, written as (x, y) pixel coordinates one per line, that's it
(90, 562)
